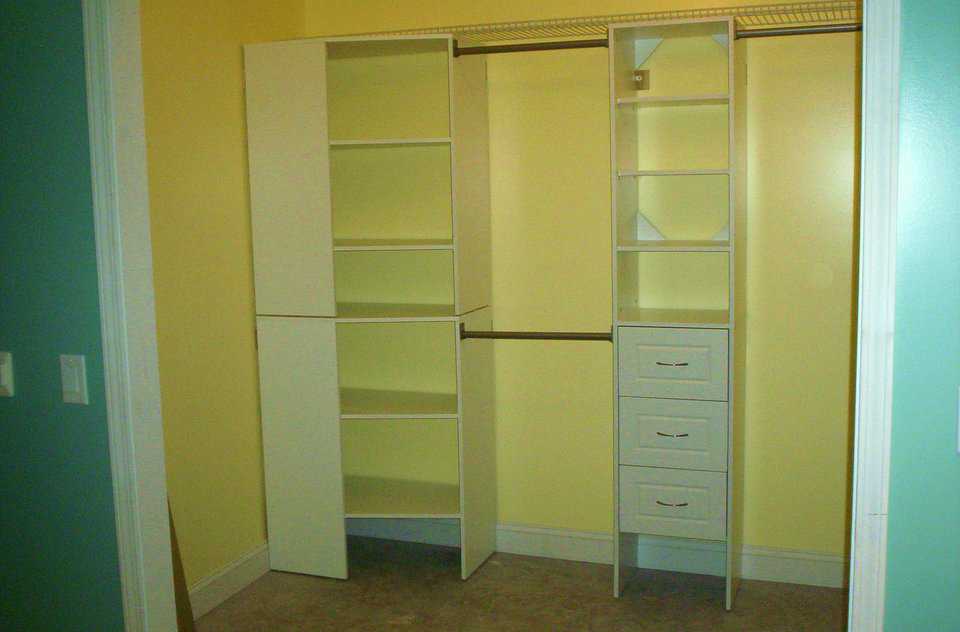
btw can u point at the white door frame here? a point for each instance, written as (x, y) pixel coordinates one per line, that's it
(121, 208)
(128, 323)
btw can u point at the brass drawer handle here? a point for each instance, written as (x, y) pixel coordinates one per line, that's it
(663, 504)
(673, 364)
(674, 436)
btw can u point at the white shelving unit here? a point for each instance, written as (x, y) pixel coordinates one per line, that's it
(675, 160)
(369, 194)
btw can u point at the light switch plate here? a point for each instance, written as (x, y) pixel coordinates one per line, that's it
(73, 377)
(6, 374)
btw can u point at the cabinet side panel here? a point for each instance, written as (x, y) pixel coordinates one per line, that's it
(739, 339)
(299, 406)
(478, 447)
(471, 173)
(289, 178)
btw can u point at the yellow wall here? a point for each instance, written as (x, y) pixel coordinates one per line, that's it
(196, 150)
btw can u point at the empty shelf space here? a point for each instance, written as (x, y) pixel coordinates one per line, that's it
(630, 173)
(357, 403)
(347, 245)
(390, 141)
(670, 245)
(707, 318)
(394, 312)
(366, 497)
(703, 99)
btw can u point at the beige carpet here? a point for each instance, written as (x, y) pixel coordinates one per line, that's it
(401, 586)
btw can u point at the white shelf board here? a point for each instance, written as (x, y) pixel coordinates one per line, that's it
(706, 318)
(353, 245)
(631, 173)
(393, 312)
(366, 497)
(443, 140)
(358, 403)
(670, 245)
(702, 99)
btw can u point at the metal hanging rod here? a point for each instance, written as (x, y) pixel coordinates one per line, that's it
(535, 335)
(603, 43)
(800, 30)
(521, 48)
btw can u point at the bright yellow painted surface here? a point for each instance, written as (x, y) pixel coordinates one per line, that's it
(550, 185)
(801, 121)
(679, 207)
(424, 277)
(200, 222)
(407, 450)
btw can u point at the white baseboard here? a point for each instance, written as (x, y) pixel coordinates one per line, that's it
(670, 554)
(213, 590)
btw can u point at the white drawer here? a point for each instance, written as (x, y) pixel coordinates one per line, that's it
(673, 433)
(673, 363)
(678, 503)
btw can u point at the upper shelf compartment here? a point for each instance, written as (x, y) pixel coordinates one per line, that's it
(671, 60)
(388, 89)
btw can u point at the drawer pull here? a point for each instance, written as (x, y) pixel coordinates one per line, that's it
(674, 436)
(673, 364)
(663, 504)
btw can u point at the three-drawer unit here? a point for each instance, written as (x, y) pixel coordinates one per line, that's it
(673, 429)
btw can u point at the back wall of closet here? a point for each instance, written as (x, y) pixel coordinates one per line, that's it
(551, 270)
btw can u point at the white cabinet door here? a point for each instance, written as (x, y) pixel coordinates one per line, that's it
(677, 503)
(290, 178)
(673, 363)
(673, 433)
(299, 408)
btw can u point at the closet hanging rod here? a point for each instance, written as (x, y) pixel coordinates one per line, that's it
(800, 30)
(520, 48)
(535, 335)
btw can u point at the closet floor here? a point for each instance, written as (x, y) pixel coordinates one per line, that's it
(403, 586)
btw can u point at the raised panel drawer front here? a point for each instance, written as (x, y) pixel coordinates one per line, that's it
(677, 503)
(673, 433)
(673, 363)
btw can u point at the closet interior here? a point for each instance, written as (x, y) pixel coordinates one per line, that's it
(369, 180)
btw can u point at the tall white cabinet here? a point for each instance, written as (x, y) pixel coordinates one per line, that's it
(677, 219)
(371, 234)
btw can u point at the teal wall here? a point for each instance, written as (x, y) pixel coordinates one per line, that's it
(923, 567)
(58, 550)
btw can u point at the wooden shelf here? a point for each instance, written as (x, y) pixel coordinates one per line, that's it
(393, 312)
(630, 173)
(390, 141)
(703, 99)
(356, 403)
(706, 318)
(668, 245)
(353, 245)
(392, 498)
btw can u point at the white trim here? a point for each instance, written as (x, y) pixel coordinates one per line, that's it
(879, 185)
(438, 531)
(561, 544)
(213, 590)
(125, 275)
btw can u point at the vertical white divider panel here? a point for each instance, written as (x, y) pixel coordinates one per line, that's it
(478, 448)
(290, 178)
(471, 186)
(299, 404)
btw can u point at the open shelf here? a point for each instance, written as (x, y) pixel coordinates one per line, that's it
(394, 311)
(358, 403)
(385, 279)
(388, 89)
(667, 245)
(666, 101)
(706, 318)
(366, 497)
(639, 173)
(674, 209)
(348, 245)
(673, 285)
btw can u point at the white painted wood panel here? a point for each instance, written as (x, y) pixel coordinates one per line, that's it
(289, 178)
(677, 503)
(673, 363)
(673, 433)
(478, 448)
(301, 445)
